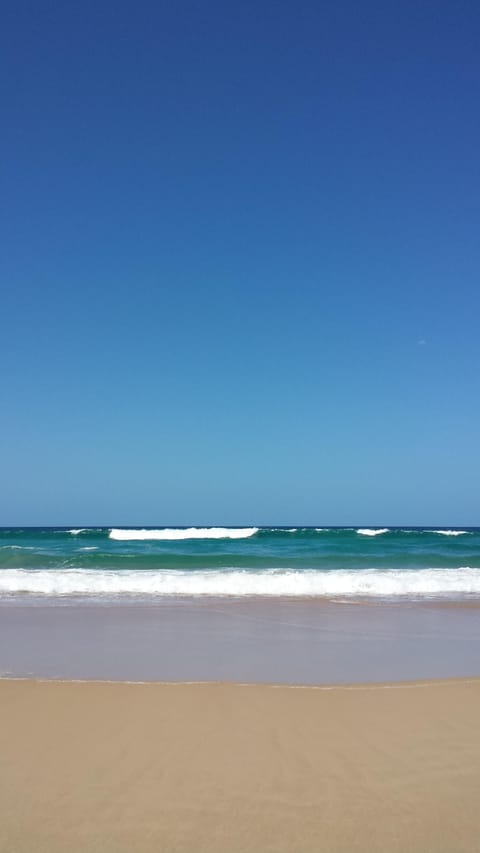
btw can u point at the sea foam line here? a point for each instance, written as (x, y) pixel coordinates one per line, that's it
(169, 533)
(235, 582)
(17, 547)
(255, 685)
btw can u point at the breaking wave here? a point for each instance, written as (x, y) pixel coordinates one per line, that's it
(172, 534)
(431, 583)
(367, 531)
(450, 532)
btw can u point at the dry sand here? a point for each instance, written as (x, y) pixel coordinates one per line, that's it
(218, 767)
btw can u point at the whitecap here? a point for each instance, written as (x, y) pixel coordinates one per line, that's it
(367, 531)
(432, 582)
(450, 532)
(173, 534)
(18, 547)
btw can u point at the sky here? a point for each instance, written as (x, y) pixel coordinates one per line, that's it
(239, 264)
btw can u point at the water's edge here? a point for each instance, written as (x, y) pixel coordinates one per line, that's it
(258, 641)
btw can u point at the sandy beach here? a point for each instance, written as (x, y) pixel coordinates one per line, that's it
(223, 767)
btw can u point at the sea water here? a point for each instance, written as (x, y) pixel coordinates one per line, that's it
(119, 563)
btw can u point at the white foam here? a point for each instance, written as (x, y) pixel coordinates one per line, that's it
(17, 547)
(172, 534)
(89, 548)
(233, 582)
(367, 531)
(450, 532)
(76, 531)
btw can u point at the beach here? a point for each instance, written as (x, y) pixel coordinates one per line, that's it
(224, 767)
(158, 694)
(255, 640)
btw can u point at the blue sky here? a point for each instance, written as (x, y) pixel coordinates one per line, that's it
(240, 263)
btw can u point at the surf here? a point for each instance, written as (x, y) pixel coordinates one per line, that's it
(176, 534)
(389, 583)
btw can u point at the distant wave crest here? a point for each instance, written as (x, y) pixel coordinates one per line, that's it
(367, 531)
(431, 583)
(169, 534)
(450, 532)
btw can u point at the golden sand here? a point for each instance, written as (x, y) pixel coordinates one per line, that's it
(230, 768)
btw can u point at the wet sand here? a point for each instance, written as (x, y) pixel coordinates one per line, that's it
(255, 640)
(221, 767)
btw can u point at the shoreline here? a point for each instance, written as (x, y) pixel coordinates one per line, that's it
(209, 768)
(267, 685)
(217, 640)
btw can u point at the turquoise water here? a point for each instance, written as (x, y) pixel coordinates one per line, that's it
(308, 561)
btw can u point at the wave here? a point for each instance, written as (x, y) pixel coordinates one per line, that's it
(450, 532)
(231, 582)
(367, 531)
(78, 530)
(17, 548)
(170, 534)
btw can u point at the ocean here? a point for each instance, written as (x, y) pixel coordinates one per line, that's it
(108, 564)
